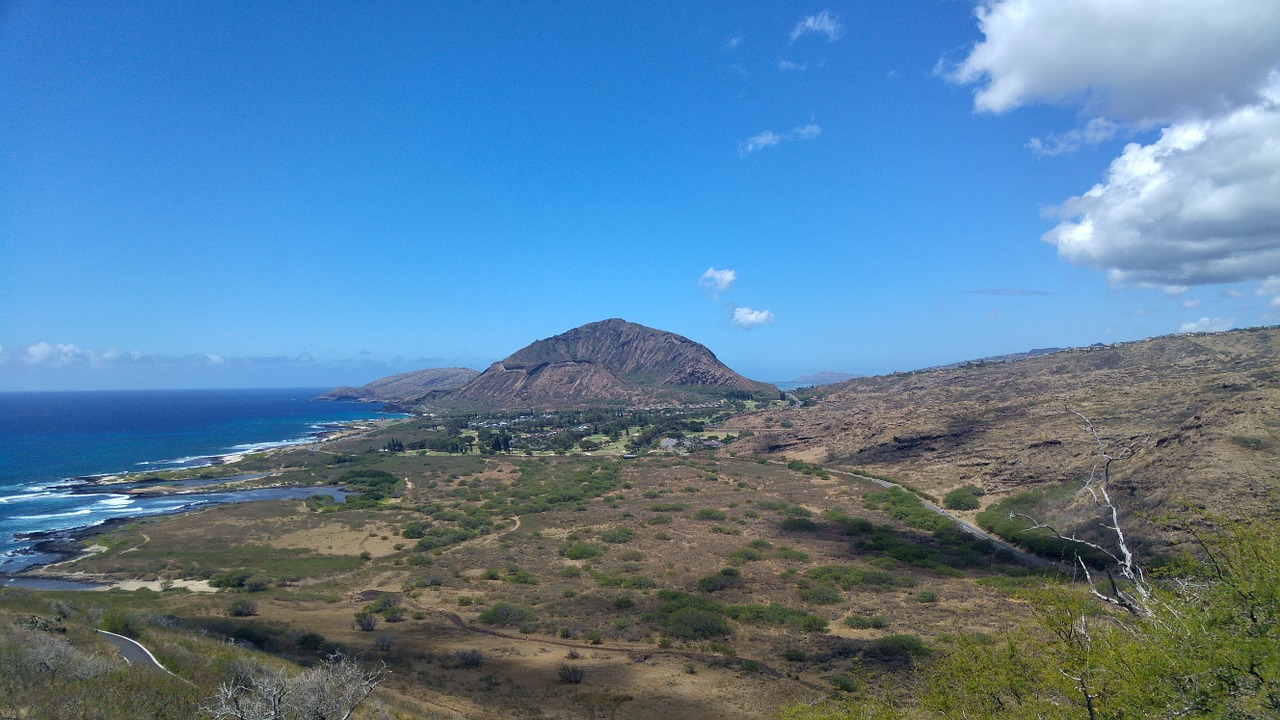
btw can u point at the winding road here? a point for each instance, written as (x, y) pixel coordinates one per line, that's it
(965, 525)
(136, 654)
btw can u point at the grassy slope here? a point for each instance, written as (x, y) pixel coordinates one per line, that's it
(656, 528)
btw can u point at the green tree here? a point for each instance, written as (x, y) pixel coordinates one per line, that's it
(1198, 642)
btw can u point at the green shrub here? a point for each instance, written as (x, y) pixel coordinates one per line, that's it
(744, 555)
(617, 536)
(865, 622)
(963, 498)
(1001, 519)
(789, 553)
(691, 623)
(798, 524)
(580, 550)
(901, 646)
(505, 613)
(710, 514)
(824, 594)
(722, 580)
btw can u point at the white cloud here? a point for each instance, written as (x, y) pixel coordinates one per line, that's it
(1232, 293)
(717, 281)
(1200, 205)
(824, 23)
(1205, 324)
(769, 138)
(732, 43)
(746, 318)
(1133, 59)
(1095, 131)
(789, 65)
(39, 353)
(1191, 303)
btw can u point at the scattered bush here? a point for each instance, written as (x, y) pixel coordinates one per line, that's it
(580, 550)
(963, 498)
(571, 674)
(691, 623)
(243, 608)
(865, 622)
(617, 536)
(505, 613)
(710, 514)
(723, 580)
(468, 658)
(901, 646)
(366, 620)
(824, 594)
(798, 524)
(744, 555)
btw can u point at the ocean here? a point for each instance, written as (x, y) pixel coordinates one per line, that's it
(51, 441)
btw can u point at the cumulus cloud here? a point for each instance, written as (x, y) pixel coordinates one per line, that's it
(39, 353)
(717, 281)
(1190, 303)
(824, 23)
(1205, 324)
(747, 318)
(769, 138)
(1124, 58)
(1200, 205)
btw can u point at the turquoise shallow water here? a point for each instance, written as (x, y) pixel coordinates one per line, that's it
(48, 440)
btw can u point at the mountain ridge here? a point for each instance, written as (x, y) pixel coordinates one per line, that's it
(606, 362)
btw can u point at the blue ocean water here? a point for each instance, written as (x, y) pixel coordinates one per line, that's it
(48, 440)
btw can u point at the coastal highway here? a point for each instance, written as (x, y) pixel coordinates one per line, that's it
(965, 525)
(135, 654)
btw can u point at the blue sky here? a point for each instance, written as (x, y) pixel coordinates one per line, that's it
(313, 194)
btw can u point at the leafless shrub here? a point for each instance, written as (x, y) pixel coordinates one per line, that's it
(468, 658)
(366, 621)
(571, 674)
(331, 690)
(243, 608)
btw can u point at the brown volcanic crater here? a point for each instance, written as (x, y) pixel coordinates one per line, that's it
(607, 361)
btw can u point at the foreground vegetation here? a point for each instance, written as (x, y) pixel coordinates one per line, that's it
(688, 585)
(1200, 643)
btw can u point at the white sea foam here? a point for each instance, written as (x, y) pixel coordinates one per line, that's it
(114, 501)
(21, 497)
(73, 513)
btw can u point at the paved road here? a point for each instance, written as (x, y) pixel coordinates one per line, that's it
(133, 652)
(965, 525)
